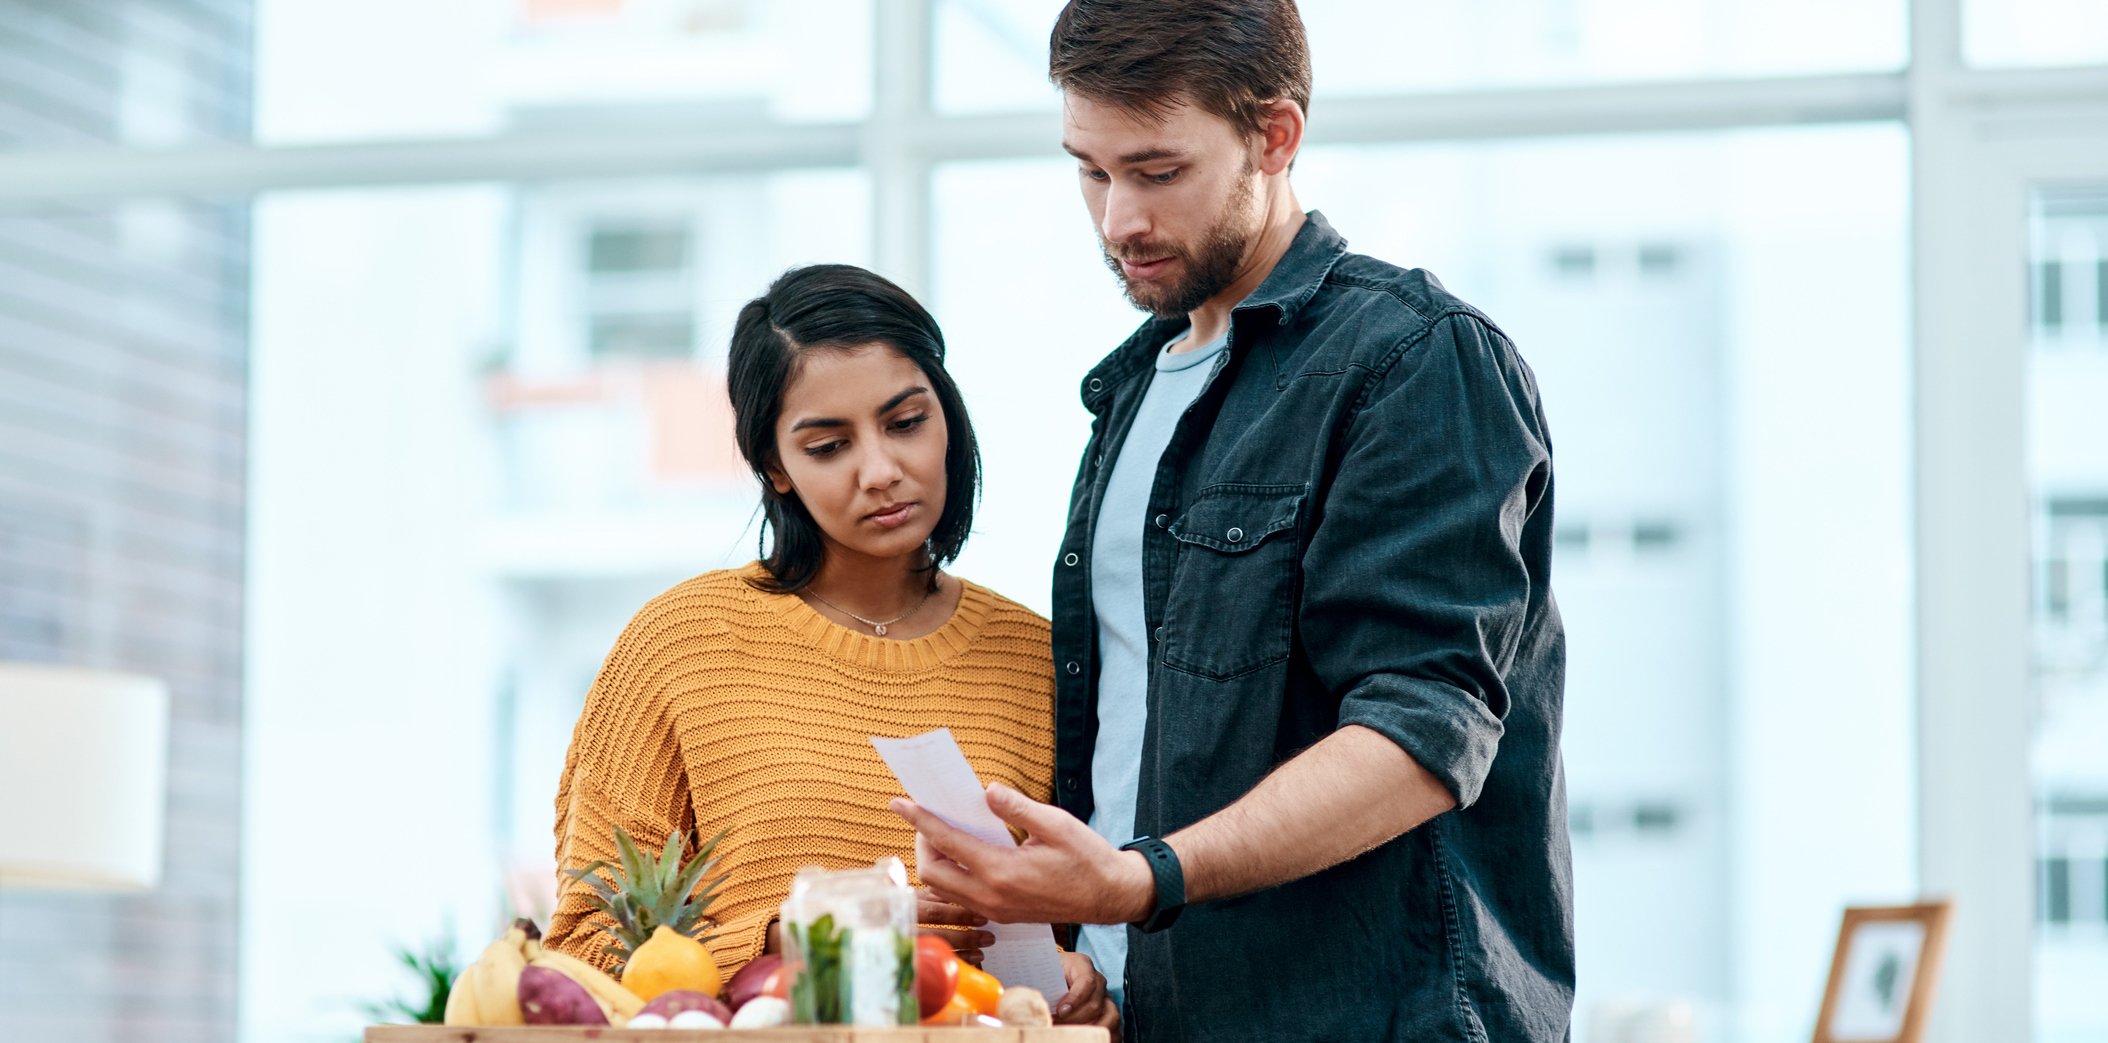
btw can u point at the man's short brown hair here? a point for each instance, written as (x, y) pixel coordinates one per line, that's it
(1229, 57)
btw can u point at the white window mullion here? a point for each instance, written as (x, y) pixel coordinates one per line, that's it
(1976, 836)
(900, 169)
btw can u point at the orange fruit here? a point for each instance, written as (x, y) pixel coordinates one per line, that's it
(980, 989)
(955, 1011)
(670, 960)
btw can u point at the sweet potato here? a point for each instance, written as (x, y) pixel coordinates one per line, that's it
(549, 998)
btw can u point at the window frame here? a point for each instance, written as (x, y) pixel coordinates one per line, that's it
(1979, 138)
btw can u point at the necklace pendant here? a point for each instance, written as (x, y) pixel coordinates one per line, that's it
(879, 629)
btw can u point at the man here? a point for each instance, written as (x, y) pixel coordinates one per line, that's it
(1302, 631)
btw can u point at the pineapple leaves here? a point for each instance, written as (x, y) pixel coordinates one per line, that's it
(635, 864)
(670, 859)
(644, 892)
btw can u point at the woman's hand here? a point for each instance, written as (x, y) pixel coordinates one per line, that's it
(955, 924)
(1086, 1003)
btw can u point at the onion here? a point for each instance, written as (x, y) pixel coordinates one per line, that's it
(747, 983)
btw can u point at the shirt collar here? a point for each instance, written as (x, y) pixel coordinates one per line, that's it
(1298, 274)
(1295, 279)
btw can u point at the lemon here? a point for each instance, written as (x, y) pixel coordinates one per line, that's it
(670, 960)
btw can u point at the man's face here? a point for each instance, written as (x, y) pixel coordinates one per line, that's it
(1173, 199)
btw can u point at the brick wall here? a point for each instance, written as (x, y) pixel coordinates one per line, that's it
(123, 353)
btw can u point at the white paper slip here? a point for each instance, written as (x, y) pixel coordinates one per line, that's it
(935, 774)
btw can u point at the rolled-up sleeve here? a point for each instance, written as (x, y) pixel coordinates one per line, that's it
(1415, 582)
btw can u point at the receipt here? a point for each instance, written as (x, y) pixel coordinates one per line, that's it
(935, 774)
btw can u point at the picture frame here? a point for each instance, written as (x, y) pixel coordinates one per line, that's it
(1884, 973)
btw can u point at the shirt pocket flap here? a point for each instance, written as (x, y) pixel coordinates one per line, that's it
(1234, 519)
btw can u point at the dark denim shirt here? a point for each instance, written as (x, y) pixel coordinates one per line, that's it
(1352, 525)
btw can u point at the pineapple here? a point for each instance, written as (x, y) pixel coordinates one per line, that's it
(644, 894)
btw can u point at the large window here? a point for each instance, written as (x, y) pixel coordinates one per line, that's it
(2067, 381)
(496, 251)
(396, 69)
(2035, 32)
(992, 54)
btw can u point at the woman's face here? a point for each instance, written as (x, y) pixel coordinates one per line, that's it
(861, 441)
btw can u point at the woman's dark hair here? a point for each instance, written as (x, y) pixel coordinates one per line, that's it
(837, 307)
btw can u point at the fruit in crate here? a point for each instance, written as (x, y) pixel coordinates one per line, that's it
(936, 974)
(762, 1012)
(982, 991)
(955, 1011)
(488, 992)
(671, 962)
(643, 897)
(749, 981)
(777, 986)
(694, 1019)
(618, 1003)
(547, 997)
(670, 1005)
(1024, 1007)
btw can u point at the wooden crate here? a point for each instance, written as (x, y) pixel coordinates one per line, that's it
(786, 1034)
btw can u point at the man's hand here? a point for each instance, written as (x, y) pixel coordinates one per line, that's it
(957, 925)
(1086, 1002)
(1062, 873)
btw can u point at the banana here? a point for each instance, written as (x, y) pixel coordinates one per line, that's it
(619, 1003)
(487, 993)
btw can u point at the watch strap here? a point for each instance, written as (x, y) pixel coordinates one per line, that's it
(1170, 882)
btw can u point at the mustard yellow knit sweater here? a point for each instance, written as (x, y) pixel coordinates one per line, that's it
(723, 707)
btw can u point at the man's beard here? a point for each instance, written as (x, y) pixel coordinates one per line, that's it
(1204, 270)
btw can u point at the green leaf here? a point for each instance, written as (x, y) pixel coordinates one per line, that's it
(670, 858)
(634, 864)
(688, 880)
(436, 973)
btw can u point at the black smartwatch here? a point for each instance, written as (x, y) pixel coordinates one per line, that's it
(1170, 882)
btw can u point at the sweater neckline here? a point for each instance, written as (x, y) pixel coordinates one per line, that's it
(955, 636)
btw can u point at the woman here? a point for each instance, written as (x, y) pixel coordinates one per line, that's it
(741, 700)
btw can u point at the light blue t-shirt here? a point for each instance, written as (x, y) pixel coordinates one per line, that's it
(1123, 643)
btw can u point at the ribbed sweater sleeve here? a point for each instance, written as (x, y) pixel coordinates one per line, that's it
(624, 769)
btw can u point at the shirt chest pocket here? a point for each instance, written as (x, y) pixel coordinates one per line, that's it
(1231, 608)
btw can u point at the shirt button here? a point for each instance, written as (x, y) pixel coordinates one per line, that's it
(1069, 559)
(1075, 668)
(1068, 782)
(1163, 521)
(1236, 535)
(1160, 633)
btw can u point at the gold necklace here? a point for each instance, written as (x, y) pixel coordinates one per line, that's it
(878, 626)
